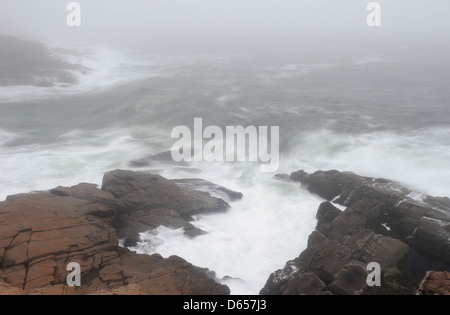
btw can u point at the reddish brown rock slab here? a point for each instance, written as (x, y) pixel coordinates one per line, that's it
(435, 283)
(59, 289)
(131, 274)
(130, 289)
(168, 276)
(42, 232)
(7, 289)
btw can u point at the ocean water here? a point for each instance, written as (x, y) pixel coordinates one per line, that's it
(383, 113)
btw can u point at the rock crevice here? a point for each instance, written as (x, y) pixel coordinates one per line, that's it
(381, 223)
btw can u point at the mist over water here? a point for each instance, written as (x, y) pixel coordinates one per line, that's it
(358, 113)
(374, 102)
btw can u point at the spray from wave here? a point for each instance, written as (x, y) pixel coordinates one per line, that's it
(137, 98)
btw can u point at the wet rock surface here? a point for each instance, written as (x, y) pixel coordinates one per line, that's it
(382, 223)
(435, 283)
(41, 233)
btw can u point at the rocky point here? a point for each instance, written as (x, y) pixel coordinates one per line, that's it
(41, 233)
(406, 233)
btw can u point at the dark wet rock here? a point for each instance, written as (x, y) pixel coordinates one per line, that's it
(440, 202)
(304, 282)
(381, 223)
(435, 283)
(204, 186)
(141, 163)
(144, 200)
(283, 177)
(349, 280)
(162, 157)
(424, 224)
(298, 176)
(325, 215)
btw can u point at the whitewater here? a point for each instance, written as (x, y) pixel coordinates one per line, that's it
(372, 113)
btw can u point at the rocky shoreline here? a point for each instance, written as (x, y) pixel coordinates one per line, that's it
(31, 63)
(363, 220)
(406, 234)
(41, 233)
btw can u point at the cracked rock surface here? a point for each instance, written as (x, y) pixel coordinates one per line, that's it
(383, 222)
(41, 233)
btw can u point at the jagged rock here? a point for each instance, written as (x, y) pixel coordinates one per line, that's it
(133, 189)
(298, 176)
(441, 202)
(40, 233)
(164, 157)
(422, 224)
(338, 261)
(154, 273)
(201, 185)
(327, 185)
(144, 201)
(325, 215)
(349, 280)
(283, 177)
(7, 289)
(380, 224)
(304, 282)
(435, 283)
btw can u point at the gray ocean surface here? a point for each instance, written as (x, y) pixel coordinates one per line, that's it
(376, 112)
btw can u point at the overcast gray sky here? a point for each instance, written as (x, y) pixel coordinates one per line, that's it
(133, 22)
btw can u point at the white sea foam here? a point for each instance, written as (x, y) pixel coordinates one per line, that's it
(271, 224)
(79, 156)
(107, 69)
(254, 238)
(6, 136)
(419, 159)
